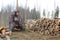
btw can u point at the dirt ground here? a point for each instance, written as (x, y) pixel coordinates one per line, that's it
(31, 36)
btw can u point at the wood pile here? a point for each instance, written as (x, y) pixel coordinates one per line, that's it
(47, 26)
(29, 24)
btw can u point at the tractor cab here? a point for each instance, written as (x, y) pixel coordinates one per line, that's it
(16, 17)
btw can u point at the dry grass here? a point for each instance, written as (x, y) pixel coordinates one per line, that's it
(31, 36)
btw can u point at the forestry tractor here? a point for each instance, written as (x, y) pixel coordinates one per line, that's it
(15, 20)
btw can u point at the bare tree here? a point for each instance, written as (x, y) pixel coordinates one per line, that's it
(44, 13)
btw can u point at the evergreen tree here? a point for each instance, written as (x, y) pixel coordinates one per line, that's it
(56, 12)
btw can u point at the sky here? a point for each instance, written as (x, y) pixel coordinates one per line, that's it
(48, 5)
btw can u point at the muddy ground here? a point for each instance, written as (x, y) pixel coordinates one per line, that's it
(32, 36)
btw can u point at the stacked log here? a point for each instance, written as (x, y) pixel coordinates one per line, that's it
(29, 24)
(45, 26)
